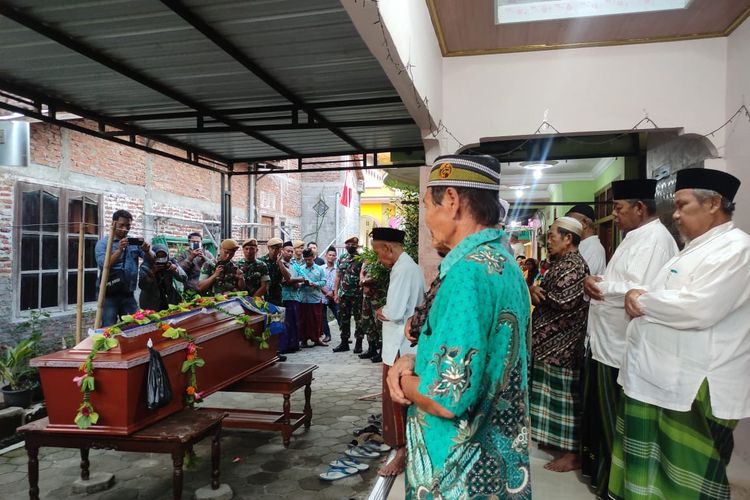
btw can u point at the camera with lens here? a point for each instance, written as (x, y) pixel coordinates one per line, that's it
(161, 261)
(137, 241)
(195, 245)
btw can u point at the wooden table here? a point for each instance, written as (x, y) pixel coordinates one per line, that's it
(280, 378)
(175, 434)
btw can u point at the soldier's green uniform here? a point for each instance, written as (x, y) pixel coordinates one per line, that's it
(256, 273)
(350, 297)
(273, 292)
(373, 298)
(225, 282)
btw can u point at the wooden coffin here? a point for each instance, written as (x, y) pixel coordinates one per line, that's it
(120, 374)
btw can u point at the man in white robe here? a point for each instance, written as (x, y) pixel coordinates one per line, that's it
(647, 246)
(405, 293)
(685, 368)
(591, 248)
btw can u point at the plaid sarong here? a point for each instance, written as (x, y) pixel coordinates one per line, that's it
(600, 403)
(668, 454)
(555, 406)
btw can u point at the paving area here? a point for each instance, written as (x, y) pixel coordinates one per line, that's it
(254, 464)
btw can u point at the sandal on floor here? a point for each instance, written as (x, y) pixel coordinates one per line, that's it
(369, 428)
(335, 473)
(350, 462)
(376, 447)
(361, 452)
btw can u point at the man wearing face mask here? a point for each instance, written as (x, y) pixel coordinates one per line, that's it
(348, 295)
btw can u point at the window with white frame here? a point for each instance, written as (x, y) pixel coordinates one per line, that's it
(46, 246)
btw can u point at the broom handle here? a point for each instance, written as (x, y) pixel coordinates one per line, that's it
(104, 277)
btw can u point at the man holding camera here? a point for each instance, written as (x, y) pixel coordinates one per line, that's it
(223, 275)
(123, 268)
(192, 259)
(156, 281)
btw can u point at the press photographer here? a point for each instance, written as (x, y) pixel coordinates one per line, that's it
(156, 281)
(191, 260)
(123, 268)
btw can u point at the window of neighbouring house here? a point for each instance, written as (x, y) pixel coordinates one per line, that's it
(46, 249)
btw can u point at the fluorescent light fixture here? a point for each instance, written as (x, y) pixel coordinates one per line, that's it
(525, 11)
(12, 116)
(538, 165)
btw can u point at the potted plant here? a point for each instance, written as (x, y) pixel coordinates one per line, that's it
(17, 374)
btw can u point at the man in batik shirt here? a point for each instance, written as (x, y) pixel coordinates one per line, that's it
(467, 426)
(559, 323)
(256, 272)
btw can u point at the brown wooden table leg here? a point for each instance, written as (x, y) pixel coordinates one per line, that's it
(215, 459)
(286, 432)
(308, 406)
(177, 458)
(32, 450)
(85, 464)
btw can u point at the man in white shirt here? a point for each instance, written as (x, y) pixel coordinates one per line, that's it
(591, 248)
(686, 364)
(646, 247)
(405, 293)
(518, 248)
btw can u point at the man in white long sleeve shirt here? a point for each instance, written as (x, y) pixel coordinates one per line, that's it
(685, 368)
(647, 246)
(405, 293)
(591, 248)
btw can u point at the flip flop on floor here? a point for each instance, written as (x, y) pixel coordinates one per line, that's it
(334, 473)
(376, 447)
(360, 452)
(349, 462)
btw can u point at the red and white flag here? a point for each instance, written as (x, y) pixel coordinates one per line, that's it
(346, 191)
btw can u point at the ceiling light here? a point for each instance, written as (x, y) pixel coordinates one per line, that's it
(519, 187)
(513, 11)
(538, 174)
(538, 165)
(519, 193)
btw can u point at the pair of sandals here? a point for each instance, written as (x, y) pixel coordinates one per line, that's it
(370, 449)
(343, 467)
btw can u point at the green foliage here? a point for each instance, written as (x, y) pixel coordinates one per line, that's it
(407, 208)
(14, 364)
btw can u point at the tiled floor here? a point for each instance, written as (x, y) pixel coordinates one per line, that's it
(256, 465)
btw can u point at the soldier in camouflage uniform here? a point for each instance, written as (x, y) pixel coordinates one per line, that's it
(256, 272)
(276, 271)
(348, 295)
(223, 275)
(373, 298)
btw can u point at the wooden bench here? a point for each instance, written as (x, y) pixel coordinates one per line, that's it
(175, 434)
(280, 378)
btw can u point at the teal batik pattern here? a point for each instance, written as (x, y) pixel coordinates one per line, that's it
(473, 360)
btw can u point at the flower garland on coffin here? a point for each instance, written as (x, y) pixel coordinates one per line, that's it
(107, 340)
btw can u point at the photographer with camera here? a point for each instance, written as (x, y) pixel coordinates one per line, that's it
(191, 260)
(223, 275)
(156, 281)
(123, 268)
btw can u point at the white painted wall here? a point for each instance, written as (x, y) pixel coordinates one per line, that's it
(680, 84)
(737, 151)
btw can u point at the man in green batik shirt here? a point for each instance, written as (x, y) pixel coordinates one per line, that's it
(256, 272)
(468, 422)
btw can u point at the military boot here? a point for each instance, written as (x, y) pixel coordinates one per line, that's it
(357, 346)
(342, 347)
(371, 351)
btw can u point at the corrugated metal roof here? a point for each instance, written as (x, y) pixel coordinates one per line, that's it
(135, 60)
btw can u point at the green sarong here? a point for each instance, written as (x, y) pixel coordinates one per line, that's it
(668, 454)
(555, 406)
